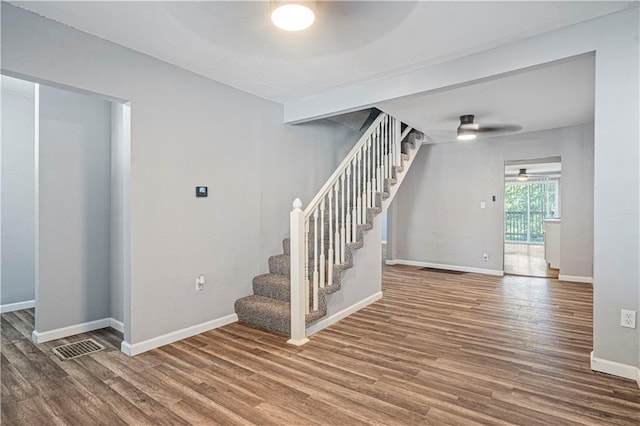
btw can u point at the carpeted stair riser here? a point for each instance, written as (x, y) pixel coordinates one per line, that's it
(269, 307)
(274, 286)
(279, 286)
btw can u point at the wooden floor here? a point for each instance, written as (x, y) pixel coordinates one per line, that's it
(527, 259)
(437, 349)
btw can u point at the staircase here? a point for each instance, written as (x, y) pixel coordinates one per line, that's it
(325, 235)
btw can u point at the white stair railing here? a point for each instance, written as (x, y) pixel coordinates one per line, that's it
(331, 219)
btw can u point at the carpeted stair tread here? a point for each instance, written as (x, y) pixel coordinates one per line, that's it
(273, 285)
(330, 289)
(264, 312)
(355, 245)
(270, 314)
(366, 226)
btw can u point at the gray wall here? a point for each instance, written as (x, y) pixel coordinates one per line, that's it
(74, 193)
(18, 161)
(362, 282)
(186, 131)
(437, 214)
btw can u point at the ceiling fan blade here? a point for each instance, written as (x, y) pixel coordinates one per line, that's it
(503, 128)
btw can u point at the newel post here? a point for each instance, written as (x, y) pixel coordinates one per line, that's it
(298, 297)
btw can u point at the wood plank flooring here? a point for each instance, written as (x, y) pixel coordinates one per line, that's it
(527, 259)
(437, 349)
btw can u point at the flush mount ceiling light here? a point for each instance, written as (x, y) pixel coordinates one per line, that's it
(293, 15)
(522, 176)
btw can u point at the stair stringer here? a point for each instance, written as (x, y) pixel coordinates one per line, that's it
(361, 284)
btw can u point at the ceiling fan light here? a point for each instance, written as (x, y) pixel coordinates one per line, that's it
(522, 176)
(466, 134)
(292, 15)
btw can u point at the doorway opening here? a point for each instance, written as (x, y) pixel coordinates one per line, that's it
(532, 211)
(65, 210)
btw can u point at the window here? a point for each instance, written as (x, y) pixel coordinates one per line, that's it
(527, 205)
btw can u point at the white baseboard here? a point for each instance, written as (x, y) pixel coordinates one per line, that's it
(615, 368)
(174, 336)
(116, 325)
(326, 322)
(297, 342)
(60, 333)
(18, 306)
(575, 279)
(442, 266)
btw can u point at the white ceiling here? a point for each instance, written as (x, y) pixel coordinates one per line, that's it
(533, 169)
(557, 95)
(234, 42)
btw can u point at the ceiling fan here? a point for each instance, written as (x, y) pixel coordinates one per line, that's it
(468, 130)
(523, 174)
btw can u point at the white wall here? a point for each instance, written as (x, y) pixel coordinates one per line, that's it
(119, 224)
(74, 209)
(186, 131)
(18, 161)
(438, 214)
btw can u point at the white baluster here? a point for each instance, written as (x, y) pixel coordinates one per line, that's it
(330, 252)
(369, 171)
(398, 144)
(354, 210)
(388, 151)
(365, 183)
(348, 209)
(360, 187)
(322, 259)
(378, 168)
(385, 169)
(385, 153)
(391, 156)
(374, 143)
(316, 244)
(380, 161)
(306, 266)
(365, 203)
(342, 224)
(337, 221)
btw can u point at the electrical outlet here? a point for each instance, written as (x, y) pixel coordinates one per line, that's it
(200, 283)
(628, 318)
(485, 257)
